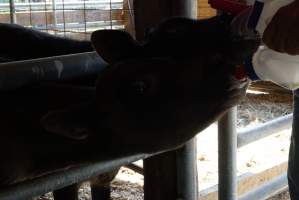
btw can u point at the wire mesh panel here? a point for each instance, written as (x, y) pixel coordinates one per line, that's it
(70, 18)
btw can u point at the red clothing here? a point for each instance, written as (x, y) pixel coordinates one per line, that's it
(230, 6)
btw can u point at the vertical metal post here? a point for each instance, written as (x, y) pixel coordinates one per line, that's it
(54, 8)
(227, 156)
(187, 180)
(12, 10)
(185, 8)
(184, 167)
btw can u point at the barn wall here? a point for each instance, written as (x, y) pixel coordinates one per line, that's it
(204, 9)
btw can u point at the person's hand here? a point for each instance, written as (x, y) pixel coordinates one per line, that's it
(282, 33)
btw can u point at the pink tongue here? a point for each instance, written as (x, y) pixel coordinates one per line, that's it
(240, 73)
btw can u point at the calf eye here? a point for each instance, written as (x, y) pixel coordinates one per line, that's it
(139, 89)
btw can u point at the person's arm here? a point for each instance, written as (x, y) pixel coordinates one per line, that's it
(282, 33)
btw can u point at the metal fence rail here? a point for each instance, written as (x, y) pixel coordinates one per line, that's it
(56, 68)
(268, 189)
(244, 137)
(28, 189)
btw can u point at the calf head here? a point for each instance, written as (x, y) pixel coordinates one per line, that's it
(158, 94)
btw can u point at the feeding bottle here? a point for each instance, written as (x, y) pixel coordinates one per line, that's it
(266, 64)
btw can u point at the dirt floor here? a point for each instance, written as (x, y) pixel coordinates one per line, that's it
(253, 158)
(282, 196)
(257, 156)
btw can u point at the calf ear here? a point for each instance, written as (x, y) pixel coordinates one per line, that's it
(72, 123)
(114, 45)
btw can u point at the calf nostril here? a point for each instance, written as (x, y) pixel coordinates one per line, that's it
(139, 86)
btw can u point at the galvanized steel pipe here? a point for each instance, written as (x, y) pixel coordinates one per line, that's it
(21, 73)
(187, 179)
(268, 189)
(227, 156)
(249, 135)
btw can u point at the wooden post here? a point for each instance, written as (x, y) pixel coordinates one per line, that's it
(160, 177)
(170, 175)
(128, 16)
